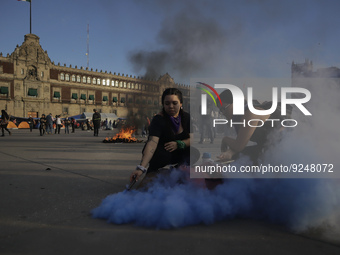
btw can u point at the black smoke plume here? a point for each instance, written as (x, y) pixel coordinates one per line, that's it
(188, 43)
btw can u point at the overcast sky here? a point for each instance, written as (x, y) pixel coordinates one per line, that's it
(186, 38)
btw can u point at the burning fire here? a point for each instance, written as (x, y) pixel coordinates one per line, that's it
(125, 135)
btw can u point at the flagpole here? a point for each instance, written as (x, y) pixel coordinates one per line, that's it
(31, 17)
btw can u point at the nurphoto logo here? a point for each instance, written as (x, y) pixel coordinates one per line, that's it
(239, 104)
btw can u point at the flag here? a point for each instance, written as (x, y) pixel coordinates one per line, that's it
(25, 0)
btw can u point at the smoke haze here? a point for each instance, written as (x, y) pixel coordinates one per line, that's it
(192, 43)
(248, 39)
(189, 42)
(316, 140)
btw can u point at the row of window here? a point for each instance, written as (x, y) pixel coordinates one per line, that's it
(65, 110)
(56, 94)
(74, 96)
(107, 82)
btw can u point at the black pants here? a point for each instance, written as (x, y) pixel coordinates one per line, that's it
(57, 129)
(162, 157)
(96, 129)
(3, 128)
(42, 130)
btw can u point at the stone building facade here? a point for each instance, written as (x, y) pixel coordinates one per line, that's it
(304, 75)
(305, 70)
(31, 84)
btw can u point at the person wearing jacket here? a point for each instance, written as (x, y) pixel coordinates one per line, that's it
(96, 119)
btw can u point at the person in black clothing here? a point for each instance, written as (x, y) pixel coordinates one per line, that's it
(73, 124)
(56, 125)
(67, 122)
(42, 126)
(232, 147)
(96, 119)
(31, 123)
(49, 124)
(169, 137)
(4, 122)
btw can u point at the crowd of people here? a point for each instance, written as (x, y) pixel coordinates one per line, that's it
(49, 123)
(46, 124)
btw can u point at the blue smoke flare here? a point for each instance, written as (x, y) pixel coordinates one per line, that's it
(296, 203)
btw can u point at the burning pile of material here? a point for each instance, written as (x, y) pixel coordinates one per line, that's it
(123, 136)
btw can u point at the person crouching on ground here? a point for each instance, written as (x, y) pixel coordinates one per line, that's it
(231, 147)
(169, 137)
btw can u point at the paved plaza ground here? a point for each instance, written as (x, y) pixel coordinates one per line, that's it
(49, 184)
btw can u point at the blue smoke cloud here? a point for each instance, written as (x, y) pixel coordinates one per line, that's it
(296, 203)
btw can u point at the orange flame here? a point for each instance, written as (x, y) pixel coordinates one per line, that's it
(124, 135)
